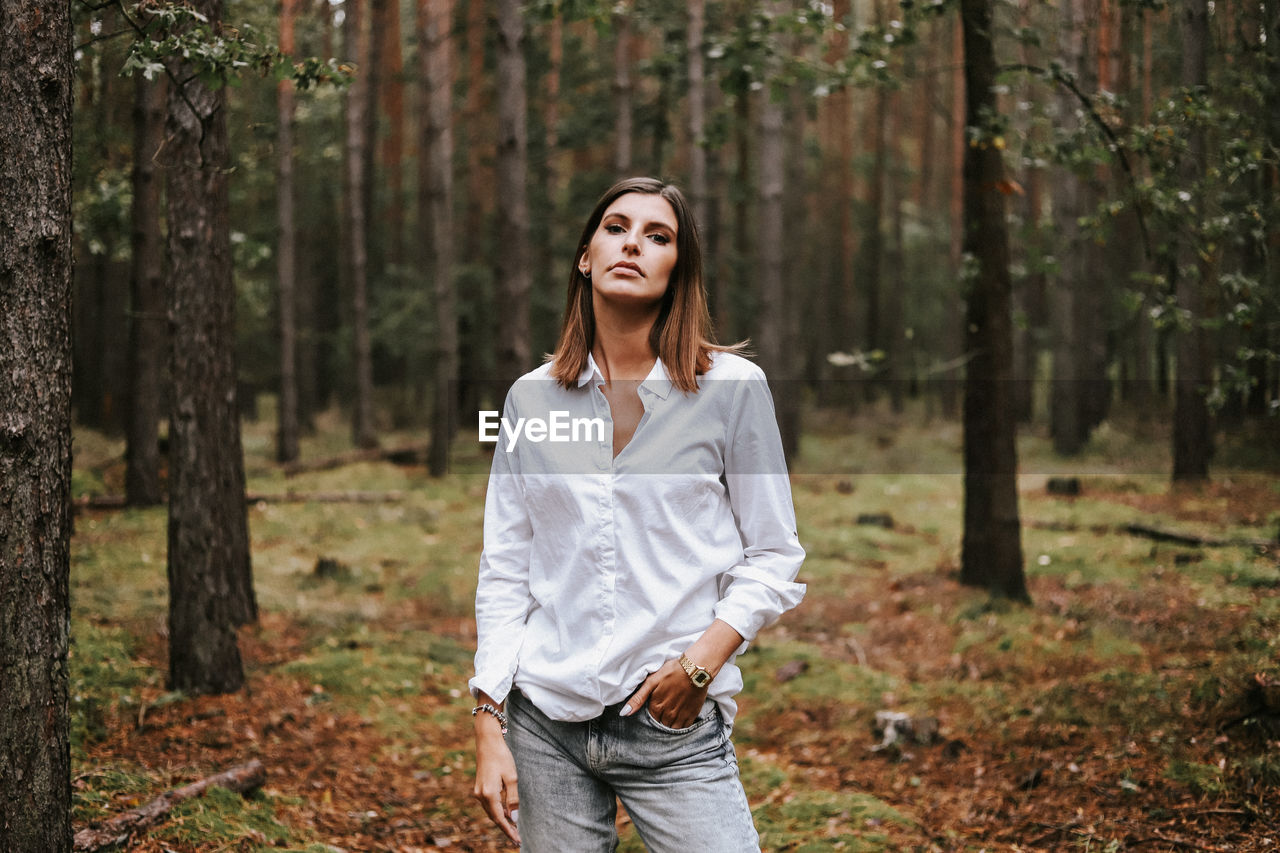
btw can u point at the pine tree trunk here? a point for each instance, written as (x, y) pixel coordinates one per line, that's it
(1192, 432)
(513, 267)
(834, 325)
(1073, 199)
(873, 235)
(210, 584)
(35, 425)
(775, 348)
(949, 386)
(622, 91)
(392, 97)
(697, 115)
(991, 554)
(149, 326)
(356, 212)
(892, 318)
(436, 210)
(286, 253)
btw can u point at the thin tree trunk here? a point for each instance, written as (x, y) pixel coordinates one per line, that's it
(834, 327)
(1192, 433)
(475, 125)
(872, 266)
(512, 270)
(697, 112)
(148, 329)
(210, 582)
(951, 327)
(771, 284)
(1073, 328)
(356, 211)
(556, 173)
(392, 97)
(743, 249)
(35, 425)
(991, 553)
(892, 318)
(622, 91)
(437, 213)
(286, 253)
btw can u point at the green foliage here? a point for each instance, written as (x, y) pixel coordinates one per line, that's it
(215, 53)
(227, 817)
(1200, 779)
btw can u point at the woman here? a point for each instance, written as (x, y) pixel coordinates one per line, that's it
(626, 566)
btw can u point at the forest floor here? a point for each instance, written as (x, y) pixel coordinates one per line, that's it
(1134, 705)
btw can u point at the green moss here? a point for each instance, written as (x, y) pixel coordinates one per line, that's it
(103, 680)
(227, 817)
(1200, 779)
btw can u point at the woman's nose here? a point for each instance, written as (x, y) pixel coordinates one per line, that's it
(632, 242)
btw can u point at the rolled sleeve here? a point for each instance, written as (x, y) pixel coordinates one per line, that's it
(756, 591)
(502, 589)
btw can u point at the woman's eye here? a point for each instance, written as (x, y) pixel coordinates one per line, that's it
(660, 239)
(614, 228)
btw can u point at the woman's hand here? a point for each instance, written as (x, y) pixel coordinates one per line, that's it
(673, 700)
(496, 776)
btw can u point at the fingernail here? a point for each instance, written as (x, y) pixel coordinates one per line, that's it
(626, 711)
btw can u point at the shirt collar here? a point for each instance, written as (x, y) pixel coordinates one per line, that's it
(658, 381)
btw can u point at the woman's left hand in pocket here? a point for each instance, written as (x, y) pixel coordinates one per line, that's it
(673, 700)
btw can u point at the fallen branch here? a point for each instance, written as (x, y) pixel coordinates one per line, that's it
(406, 455)
(120, 828)
(1191, 539)
(350, 497)
(355, 497)
(1176, 842)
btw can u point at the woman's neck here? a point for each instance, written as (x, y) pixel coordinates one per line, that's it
(621, 347)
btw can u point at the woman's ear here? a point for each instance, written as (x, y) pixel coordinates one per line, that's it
(584, 264)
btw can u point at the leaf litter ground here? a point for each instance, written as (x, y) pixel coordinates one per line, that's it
(1126, 709)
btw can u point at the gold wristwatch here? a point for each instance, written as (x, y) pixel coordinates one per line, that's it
(699, 676)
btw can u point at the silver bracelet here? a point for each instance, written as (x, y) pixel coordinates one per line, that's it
(489, 709)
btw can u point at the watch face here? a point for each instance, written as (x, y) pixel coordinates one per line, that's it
(701, 678)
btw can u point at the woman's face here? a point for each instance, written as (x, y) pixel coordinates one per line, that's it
(633, 251)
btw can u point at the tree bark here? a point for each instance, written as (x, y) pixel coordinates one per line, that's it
(775, 347)
(513, 267)
(622, 91)
(1192, 432)
(35, 424)
(148, 329)
(286, 252)
(1073, 199)
(392, 97)
(991, 553)
(872, 265)
(436, 207)
(210, 582)
(697, 115)
(952, 339)
(356, 214)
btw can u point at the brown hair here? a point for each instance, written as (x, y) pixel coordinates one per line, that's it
(682, 335)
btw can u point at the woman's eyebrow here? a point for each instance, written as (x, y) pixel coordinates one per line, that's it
(653, 223)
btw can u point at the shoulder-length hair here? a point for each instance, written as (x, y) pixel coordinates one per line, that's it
(682, 335)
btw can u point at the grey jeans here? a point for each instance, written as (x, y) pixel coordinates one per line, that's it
(680, 786)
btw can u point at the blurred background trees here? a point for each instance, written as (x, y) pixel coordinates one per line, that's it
(399, 245)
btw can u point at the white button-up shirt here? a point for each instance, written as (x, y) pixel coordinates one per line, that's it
(597, 569)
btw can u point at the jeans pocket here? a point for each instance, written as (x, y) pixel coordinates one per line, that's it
(706, 715)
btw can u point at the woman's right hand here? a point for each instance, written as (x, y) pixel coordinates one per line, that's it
(496, 776)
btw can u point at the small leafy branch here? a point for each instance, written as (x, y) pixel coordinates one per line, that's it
(216, 54)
